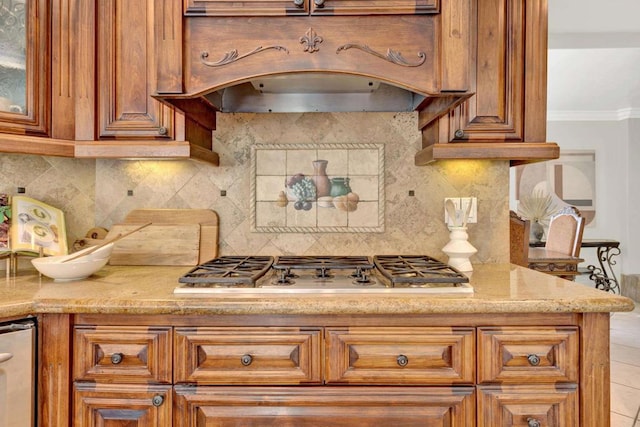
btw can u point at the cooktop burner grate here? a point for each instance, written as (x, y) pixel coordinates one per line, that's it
(322, 262)
(229, 271)
(418, 269)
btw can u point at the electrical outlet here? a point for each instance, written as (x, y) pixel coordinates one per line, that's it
(461, 204)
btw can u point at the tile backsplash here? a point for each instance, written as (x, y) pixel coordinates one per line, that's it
(96, 193)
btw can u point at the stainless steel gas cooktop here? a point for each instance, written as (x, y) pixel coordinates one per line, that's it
(324, 274)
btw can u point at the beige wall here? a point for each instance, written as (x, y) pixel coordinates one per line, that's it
(413, 224)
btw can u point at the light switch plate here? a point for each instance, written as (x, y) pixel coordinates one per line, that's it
(461, 204)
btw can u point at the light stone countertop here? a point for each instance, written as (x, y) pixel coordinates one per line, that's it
(498, 288)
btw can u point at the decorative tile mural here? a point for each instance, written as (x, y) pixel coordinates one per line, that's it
(317, 188)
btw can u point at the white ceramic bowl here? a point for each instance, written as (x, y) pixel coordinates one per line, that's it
(72, 270)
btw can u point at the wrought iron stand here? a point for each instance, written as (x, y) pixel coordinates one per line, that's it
(602, 275)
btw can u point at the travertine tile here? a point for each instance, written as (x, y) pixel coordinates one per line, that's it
(412, 223)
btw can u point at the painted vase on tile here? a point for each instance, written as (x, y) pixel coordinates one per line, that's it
(340, 187)
(459, 249)
(320, 178)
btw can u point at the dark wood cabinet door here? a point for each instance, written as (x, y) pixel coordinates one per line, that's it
(324, 406)
(509, 76)
(24, 67)
(126, 73)
(115, 405)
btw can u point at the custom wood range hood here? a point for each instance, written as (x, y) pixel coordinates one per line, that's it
(474, 71)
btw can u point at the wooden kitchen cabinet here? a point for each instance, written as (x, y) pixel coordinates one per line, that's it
(24, 68)
(505, 118)
(86, 86)
(97, 405)
(125, 77)
(329, 370)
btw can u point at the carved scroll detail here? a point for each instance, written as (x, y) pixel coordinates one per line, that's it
(391, 56)
(232, 56)
(311, 41)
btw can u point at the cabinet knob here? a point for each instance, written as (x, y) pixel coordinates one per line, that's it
(459, 133)
(532, 422)
(533, 359)
(246, 359)
(402, 360)
(157, 400)
(319, 3)
(116, 358)
(298, 3)
(162, 130)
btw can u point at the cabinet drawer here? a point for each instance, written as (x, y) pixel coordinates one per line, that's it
(100, 405)
(247, 355)
(532, 355)
(123, 354)
(400, 355)
(535, 405)
(324, 406)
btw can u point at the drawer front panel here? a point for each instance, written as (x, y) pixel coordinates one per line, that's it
(247, 355)
(324, 406)
(400, 355)
(122, 354)
(536, 405)
(521, 354)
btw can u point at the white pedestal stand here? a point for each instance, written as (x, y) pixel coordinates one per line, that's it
(459, 249)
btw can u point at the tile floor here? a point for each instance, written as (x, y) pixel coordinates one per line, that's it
(625, 368)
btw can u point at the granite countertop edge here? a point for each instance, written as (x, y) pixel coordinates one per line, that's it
(499, 288)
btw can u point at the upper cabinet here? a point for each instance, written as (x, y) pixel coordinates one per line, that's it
(505, 118)
(77, 79)
(145, 78)
(24, 67)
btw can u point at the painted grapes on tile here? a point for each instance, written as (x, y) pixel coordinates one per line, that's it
(317, 188)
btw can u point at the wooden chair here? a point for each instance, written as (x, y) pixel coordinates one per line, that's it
(519, 239)
(565, 232)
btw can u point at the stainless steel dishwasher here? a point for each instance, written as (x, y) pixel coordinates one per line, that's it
(17, 373)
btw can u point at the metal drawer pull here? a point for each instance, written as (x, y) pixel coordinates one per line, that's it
(5, 356)
(246, 360)
(319, 3)
(157, 400)
(298, 3)
(116, 358)
(402, 360)
(532, 422)
(533, 359)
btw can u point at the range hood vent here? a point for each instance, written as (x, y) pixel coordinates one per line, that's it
(313, 92)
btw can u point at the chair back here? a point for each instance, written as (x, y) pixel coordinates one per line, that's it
(565, 232)
(519, 239)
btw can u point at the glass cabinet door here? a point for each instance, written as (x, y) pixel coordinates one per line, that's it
(23, 66)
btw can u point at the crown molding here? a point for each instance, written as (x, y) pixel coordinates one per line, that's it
(594, 116)
(594, 40)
